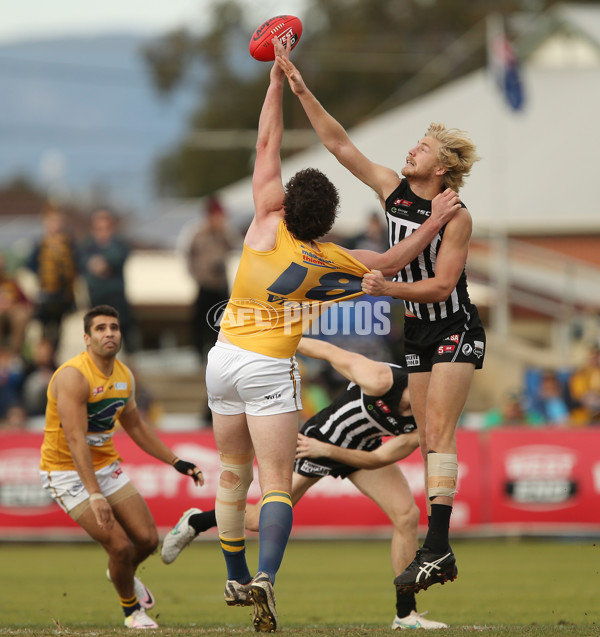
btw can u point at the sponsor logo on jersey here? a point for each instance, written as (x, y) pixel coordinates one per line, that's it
(424, 212)
(454, 337)
(116, 473)
(384, 408)
(402, 202)
(479, 348)
(273, 396)
(315, 259)
(120, 386)
(413, 360)
(446, 349)
(98, 390)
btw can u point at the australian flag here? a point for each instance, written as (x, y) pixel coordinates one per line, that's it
(504, 64)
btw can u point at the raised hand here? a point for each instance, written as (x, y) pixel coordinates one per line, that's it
(282, 59)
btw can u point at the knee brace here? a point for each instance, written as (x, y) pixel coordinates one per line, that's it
(442, 474)
(230, 504)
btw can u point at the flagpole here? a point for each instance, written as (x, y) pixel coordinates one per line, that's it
(500, 311)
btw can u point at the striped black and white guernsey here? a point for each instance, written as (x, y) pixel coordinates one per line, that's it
(405, 212)
(355, 420)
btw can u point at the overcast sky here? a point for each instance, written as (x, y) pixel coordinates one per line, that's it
(24, 19)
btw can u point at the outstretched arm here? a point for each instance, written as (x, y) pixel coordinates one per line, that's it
(267, 186)
(389, 452)
(334, 137)
(374, 378)
(146, 439)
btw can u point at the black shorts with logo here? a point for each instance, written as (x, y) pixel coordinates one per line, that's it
(452, 340)
(321, 467)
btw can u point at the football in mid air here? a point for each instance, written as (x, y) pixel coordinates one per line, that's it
(287, 28)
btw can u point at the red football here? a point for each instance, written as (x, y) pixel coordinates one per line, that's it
(285, 27)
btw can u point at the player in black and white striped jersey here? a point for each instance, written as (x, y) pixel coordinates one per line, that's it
(444, 338)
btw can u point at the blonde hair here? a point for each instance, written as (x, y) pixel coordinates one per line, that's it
(457, 154)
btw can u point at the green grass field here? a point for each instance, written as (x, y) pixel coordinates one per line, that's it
(505, 587)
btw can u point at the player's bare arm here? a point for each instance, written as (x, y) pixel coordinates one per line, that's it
(335, 138)
(267, 184)
(71, 390)
(374, 378)
(389, 452)
(146, 439)
(443, 208)
(450, 263)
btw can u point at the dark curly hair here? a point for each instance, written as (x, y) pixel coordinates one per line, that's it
(311, 204)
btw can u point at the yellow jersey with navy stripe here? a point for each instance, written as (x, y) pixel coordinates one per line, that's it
(278, 293)
(107, 399)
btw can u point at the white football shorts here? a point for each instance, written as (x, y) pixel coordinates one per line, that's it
(68, 490)
(239, 381)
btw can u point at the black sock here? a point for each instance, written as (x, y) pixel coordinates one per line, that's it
(405, 603)
(203, 521)
(439, 528)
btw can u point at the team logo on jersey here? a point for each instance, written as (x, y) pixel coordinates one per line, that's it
(413, 360)
(98, 390)
(116, 473)
(467, 350)
(447, 349)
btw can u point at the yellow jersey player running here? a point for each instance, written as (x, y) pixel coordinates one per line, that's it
(284, 279)
(87, 397)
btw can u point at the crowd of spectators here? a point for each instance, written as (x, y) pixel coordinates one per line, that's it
(31, 323)
(28, 357)
(553, 398)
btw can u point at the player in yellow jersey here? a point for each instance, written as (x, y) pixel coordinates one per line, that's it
(252, 378)
(87, 397)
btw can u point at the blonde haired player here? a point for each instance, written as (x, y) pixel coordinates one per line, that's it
(444, 337)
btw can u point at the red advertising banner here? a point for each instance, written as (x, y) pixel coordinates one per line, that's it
(509, 479)
(545, 477)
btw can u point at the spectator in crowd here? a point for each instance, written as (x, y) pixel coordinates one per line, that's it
(511, 412)
(15, 310)
(550, 404)
(11, 380)
(373, 237)
(37, 377)
(206, 257)
(15, 418)
(53, 261)
(102, 260)
(584, 386)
